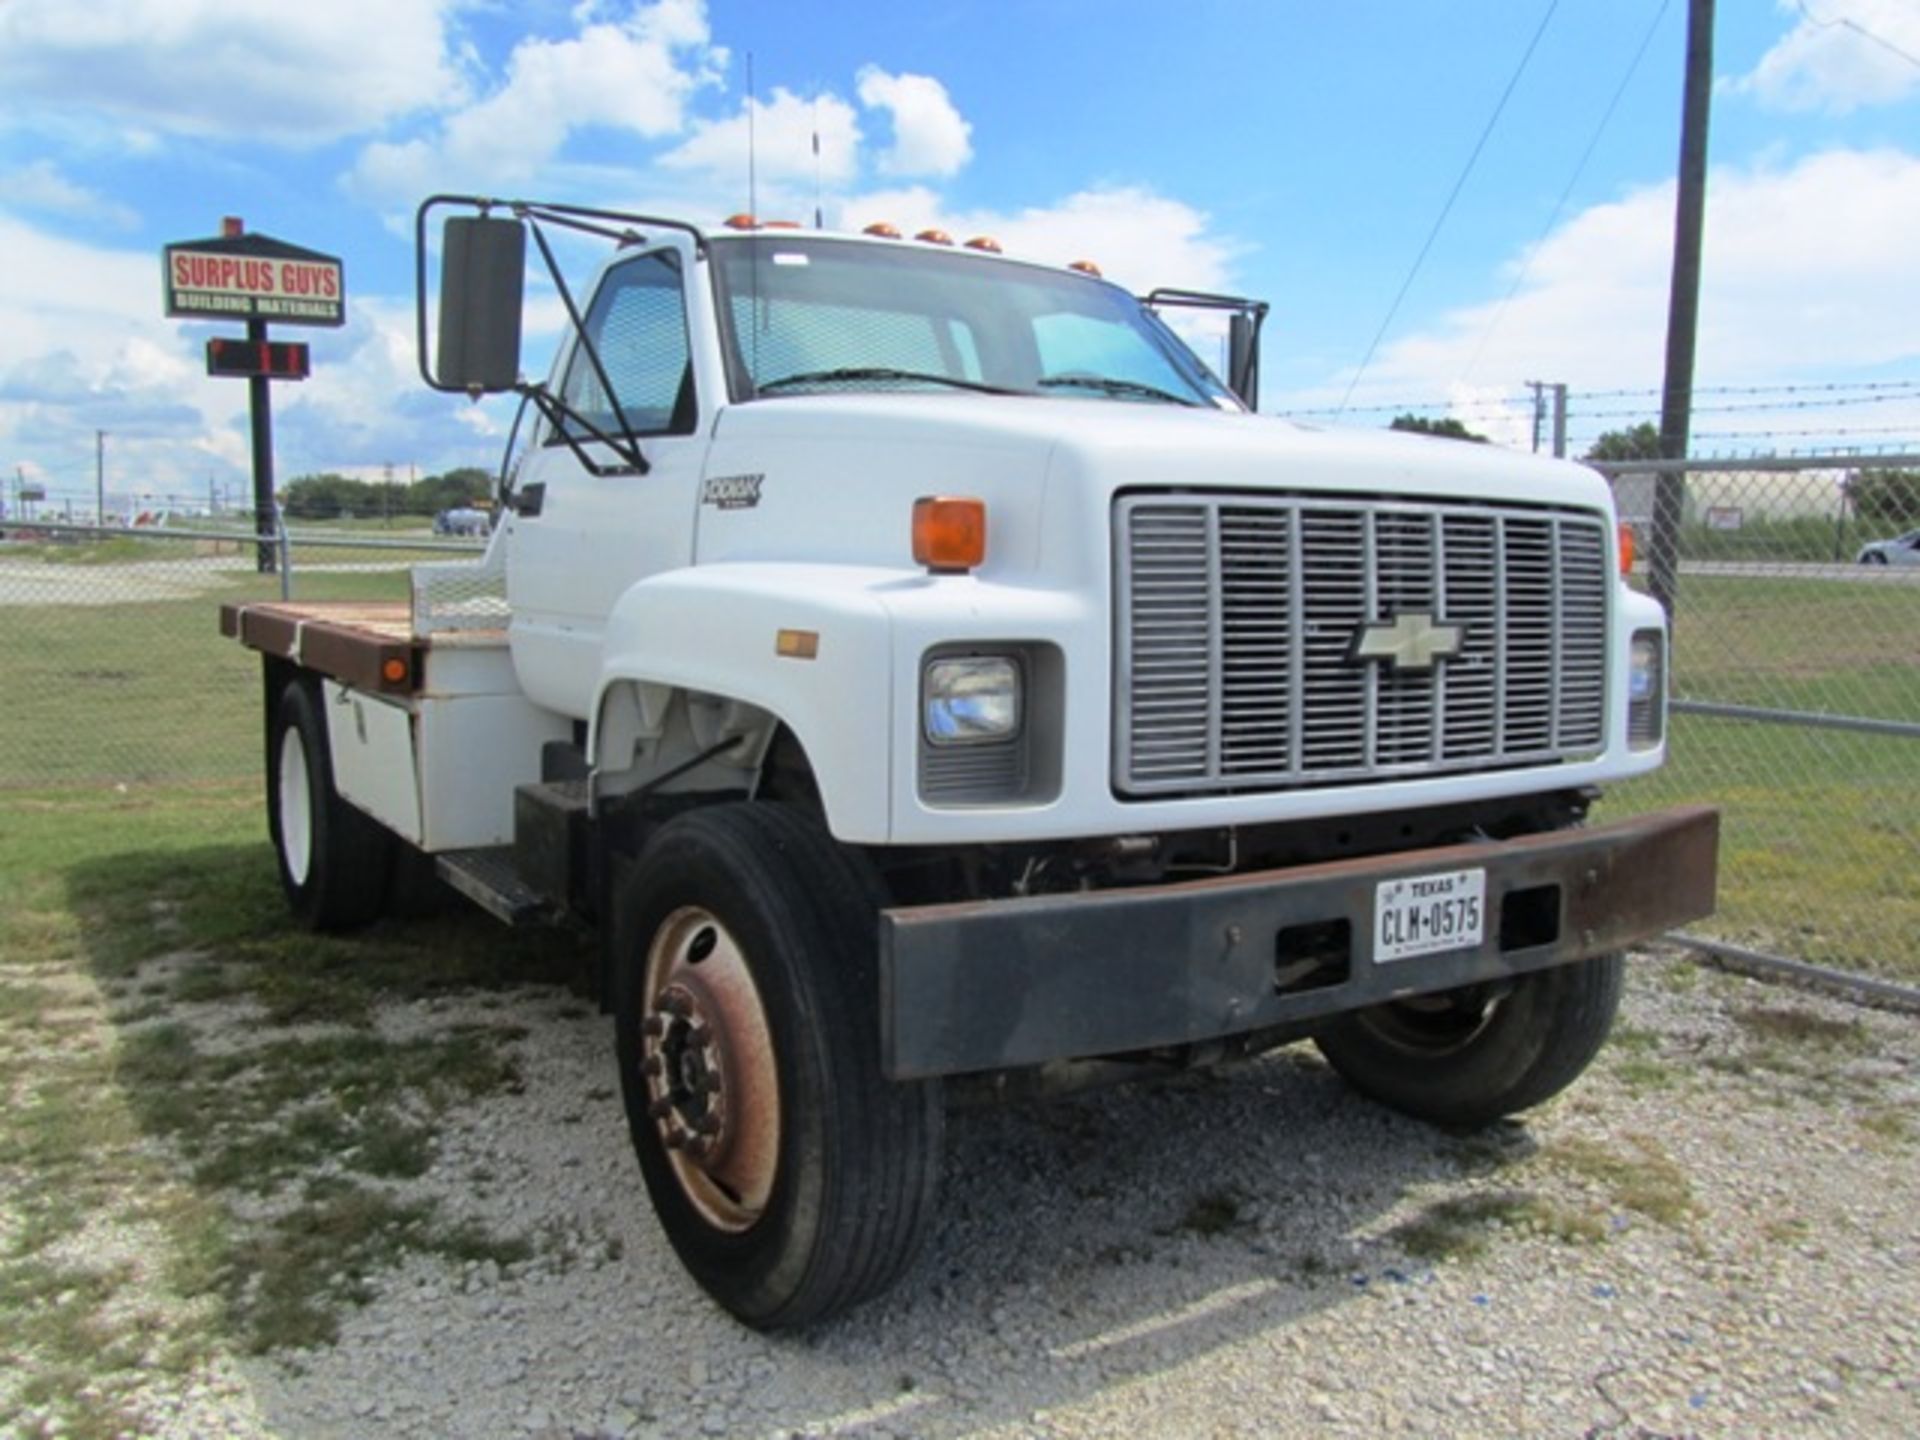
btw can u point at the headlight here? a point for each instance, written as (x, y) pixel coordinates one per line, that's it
(970, 700)
(1646, 690)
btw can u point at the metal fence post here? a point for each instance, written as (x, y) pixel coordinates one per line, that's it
(285, 548)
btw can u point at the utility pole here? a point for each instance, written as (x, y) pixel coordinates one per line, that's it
(1559, 389)
(1683, 303)
(100, 477)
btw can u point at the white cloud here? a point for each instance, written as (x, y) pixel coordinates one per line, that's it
(285, 73)
(84, 347)
(1136, 236)
(634, 74)
(42, 186)
(930, 137)
(1842, 54)
(782, 143)
(1806, 270)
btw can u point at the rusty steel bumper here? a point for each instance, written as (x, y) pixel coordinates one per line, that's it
(995, 984)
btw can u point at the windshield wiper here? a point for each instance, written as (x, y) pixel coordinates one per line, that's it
(876, 372)
(1113, 385)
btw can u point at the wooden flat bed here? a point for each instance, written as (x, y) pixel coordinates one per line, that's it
(368, 644)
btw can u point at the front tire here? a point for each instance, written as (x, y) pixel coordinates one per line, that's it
(334, 859)
(791, 1176)
(1470, 1057)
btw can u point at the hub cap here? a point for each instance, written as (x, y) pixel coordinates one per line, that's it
(707, 1057)
(296, 807)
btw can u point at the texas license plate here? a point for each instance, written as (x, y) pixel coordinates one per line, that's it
(1426, 914)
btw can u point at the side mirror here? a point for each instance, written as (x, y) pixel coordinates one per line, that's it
(482, 286)
(1243, 358)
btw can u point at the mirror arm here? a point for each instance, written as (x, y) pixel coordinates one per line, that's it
(628, 445)
(556, 412)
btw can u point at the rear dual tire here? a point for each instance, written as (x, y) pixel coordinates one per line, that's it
(335, 861)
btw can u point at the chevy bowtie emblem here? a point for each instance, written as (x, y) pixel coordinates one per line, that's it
(1409, 641)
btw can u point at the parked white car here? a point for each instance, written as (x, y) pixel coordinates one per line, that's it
(1901, 550)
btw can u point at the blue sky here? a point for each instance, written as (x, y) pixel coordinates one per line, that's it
(1297, 152)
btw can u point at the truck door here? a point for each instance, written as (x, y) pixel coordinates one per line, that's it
(587, 537)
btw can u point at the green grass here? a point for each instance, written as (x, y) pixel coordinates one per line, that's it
(1643, 1179)
(143, 691)
(147, 974)
(1820, 841)
(1464, 1227)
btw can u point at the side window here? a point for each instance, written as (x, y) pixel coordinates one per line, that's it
(638, 326)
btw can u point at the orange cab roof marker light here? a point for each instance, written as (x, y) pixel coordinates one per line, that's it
(935, 237)
(742, 222)
(883, 230)
(986, 243)
(1086, 267)
(949, 533)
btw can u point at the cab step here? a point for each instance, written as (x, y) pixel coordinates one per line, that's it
(490, 879)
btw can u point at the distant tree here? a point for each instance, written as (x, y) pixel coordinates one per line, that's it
(1642, 442)
(467, 485)
(1885, 497)
(327, 497)
(1449, 428)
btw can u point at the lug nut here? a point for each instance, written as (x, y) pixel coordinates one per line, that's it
(661, 1108)
(651, 1065)
(673, 1139)
(699, 1147)
(699, 1034)
(708, 1124)
(653, 1025)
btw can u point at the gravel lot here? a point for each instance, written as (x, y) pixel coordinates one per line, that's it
(1717, 1233)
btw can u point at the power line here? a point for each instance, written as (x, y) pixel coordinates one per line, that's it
(1593, 142)
(1841, 391)
(1452, 195)
(1860, 30)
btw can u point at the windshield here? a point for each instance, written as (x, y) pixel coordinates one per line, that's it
(811, 316)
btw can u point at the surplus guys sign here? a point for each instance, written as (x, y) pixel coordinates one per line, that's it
(253, 277)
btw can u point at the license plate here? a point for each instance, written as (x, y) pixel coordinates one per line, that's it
(1426, 914)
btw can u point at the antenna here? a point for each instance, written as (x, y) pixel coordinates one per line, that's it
(753, 207)
(818, 223)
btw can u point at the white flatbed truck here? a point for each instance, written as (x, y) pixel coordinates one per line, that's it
(926, 675)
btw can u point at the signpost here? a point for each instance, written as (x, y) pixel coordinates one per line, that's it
(257, 279)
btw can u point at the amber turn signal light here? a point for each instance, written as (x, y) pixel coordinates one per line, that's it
(1626, 548)
(949, 533)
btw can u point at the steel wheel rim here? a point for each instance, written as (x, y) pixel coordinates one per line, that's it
(296, 807)
(713, 1088)
(1435, 1025)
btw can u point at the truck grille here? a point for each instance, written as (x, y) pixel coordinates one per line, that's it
(1238, 616)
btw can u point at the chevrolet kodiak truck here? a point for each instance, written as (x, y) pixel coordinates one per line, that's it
(929, 679)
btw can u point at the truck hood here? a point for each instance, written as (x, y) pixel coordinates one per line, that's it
(1045, 462)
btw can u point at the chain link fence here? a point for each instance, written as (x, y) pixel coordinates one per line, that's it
(1796, 680)
(111, 660)
(1796, 696)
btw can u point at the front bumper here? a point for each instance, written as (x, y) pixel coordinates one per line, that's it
(995, 984)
